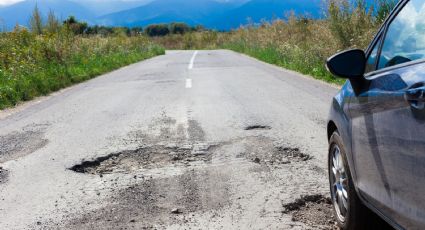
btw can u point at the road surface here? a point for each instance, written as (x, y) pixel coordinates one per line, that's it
(188, 140)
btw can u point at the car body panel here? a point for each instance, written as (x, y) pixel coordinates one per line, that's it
(388, 146)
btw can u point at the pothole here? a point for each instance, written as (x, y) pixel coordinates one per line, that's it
(3, 175)
(280, 155)
(313, 210)
(294, 154)
(147, 157)
(154, 203)
(258, 127)
(18, 144)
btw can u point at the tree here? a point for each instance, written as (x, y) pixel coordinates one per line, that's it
(36, 22)
(75, 26)
(179, 28)
(52, 25)
(157, 30)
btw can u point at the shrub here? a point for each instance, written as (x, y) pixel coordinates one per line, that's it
(179, 28)
(157, 30)
(75, 26)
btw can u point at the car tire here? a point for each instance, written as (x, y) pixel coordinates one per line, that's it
(352, 215)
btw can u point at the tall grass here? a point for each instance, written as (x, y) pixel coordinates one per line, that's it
(33, 64)
(298, 43)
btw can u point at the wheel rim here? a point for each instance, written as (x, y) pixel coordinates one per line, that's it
(339, 184)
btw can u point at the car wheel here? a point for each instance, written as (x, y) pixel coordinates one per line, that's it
(348, 209)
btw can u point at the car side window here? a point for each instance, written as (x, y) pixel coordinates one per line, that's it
(405, 38)
(371, 60)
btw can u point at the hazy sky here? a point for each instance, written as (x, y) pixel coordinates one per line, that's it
(8, 2)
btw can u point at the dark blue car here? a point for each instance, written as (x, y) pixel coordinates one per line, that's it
(376, 129)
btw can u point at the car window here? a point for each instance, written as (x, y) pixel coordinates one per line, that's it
(371, 60)
(405, 39)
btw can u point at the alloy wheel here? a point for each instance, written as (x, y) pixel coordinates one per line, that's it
(339, 184)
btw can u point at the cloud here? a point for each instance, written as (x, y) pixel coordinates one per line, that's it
(8, 2)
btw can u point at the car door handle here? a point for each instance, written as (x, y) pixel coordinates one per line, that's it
(416, 96)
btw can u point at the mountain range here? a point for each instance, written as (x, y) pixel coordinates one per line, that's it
(214, 14)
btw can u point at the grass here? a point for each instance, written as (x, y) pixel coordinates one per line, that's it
(33, 65)
(292, 58)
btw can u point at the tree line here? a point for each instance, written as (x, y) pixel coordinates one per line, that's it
(52, 24)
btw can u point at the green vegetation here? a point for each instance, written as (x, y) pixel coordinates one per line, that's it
(159, 30)
(298, 43)
(54, 55)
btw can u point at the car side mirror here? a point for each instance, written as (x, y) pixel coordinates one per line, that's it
(347, 64)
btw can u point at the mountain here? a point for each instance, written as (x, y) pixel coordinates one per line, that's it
(221, 15)
(103, 7)
(20, 12)
(257, 10)
(165, 11)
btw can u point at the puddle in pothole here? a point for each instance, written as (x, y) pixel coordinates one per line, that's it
(257, 127)
(313, 210)
(147, 157)
(280, 155)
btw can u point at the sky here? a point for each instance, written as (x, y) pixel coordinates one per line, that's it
(9, 2)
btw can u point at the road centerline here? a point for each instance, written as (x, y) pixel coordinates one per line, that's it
(188, 83)
(192, 60)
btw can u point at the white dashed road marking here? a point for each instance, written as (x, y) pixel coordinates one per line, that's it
(192, 60)
(188, 83)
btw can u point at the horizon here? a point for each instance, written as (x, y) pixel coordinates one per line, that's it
(212, 14)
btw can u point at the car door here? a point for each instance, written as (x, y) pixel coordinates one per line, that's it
(388, 120)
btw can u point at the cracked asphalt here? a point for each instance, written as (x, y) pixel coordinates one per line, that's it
(205, 140)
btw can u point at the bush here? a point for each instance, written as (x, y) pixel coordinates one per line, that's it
(157, 30)
(75, 26)
(179, 28)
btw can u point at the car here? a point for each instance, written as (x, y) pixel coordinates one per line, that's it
(376, 126)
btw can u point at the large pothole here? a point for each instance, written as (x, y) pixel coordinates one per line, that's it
(155, 203)
(147, 157)
(313, 210)
(280, 155)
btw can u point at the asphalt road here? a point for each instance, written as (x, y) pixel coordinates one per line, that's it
(203, 140)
